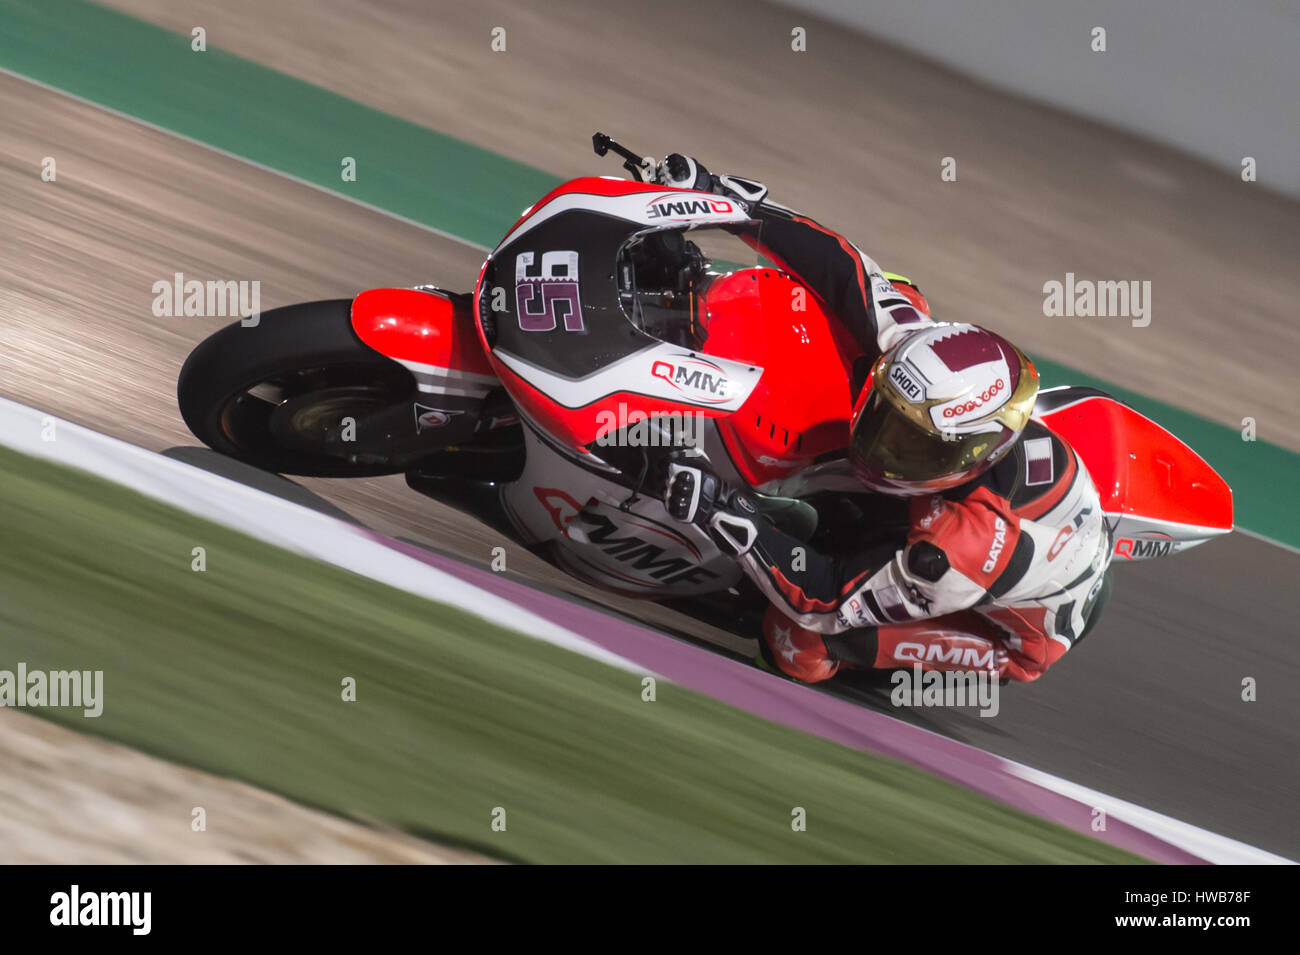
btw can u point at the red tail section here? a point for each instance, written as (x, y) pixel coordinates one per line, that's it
(1160, 495)
(421, 328)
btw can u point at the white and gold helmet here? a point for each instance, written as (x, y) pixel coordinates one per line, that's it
(939, 409)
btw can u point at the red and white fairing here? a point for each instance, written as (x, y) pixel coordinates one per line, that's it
(1159, 496)
(771, 382)
(563, 346)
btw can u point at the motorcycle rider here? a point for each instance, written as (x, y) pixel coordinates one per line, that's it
(1004, 567)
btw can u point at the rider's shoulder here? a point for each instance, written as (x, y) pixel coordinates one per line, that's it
(1038, 468)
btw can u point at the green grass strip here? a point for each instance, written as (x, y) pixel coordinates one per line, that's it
(237, 670)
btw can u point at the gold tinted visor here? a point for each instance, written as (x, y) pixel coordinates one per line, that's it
(1014, 413)
(887, 443)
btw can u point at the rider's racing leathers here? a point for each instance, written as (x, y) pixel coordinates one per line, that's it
(1003, 574)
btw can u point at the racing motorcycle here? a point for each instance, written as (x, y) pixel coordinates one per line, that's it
(620, 324)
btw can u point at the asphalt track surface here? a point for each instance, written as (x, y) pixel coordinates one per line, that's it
(1148, 709)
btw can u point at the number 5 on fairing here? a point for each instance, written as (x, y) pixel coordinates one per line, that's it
(541, 299)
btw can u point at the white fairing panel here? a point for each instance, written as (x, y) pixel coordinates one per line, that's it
(659, 371)
(670, 207)
(1142, 538)
(640, 550)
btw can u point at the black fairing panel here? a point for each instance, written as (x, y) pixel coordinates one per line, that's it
(1050, 399)
(538, 323)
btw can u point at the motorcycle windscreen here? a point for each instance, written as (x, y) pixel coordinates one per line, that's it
(1159, 496)
(665, 277)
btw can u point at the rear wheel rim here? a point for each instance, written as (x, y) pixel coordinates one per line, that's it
(294, 418)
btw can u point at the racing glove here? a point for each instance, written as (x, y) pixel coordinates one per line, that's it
(694, 495)
(684, 172)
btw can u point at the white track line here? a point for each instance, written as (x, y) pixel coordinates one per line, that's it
(1203, 843)
(274, 521)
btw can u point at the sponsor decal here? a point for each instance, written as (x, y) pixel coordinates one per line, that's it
(1145, 546)
(1062, 538)
(999, 542)
(676, 205)
(559, 505)
(638, 554)
(698, 378)
(549, 295)
(943, 650)
(978, 401)
(852, 613)
(904, 382)
(430, 417)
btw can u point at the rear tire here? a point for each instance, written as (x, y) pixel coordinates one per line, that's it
(274, 394)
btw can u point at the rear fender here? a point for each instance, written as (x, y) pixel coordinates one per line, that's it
(1159, 496)
(432, 334)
